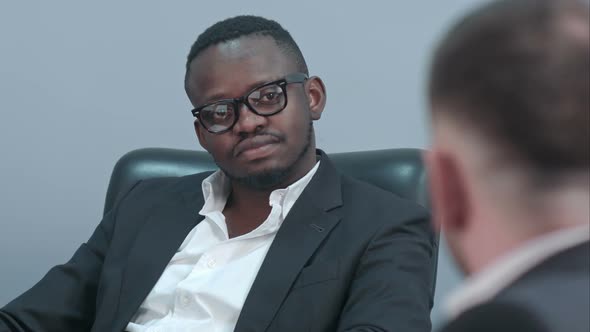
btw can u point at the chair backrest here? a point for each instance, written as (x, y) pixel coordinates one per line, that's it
(397, 170)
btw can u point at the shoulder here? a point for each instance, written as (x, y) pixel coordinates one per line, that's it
(154, 189)
(556, 290)
(369, 199)
(172, 184)
(371, 212)
(497, 316)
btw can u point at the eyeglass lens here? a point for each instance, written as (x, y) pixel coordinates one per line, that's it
(266, 100)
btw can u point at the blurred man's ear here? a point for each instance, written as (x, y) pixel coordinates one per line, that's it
(450, 202)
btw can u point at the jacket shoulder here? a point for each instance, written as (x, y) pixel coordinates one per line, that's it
(148, 191)
(366, 196)
(556, 290)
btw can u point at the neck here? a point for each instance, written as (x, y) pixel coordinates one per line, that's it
(245, 210)
(537, 215)
(245, 198)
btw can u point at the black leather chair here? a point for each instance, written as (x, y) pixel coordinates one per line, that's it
(400, 171)
(397, 170)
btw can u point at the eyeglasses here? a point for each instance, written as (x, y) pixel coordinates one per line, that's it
(265, 100)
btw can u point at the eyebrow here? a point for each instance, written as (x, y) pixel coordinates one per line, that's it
(251, 86)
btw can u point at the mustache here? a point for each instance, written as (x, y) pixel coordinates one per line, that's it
(261, 138)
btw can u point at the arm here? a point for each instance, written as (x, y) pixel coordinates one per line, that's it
(392, 288)
(7, 324)
(64, 299)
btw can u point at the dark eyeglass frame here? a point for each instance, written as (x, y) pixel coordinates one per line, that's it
(282, 83)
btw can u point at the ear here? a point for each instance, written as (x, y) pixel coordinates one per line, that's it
(449, 198)
(200, 131)
(316, 96)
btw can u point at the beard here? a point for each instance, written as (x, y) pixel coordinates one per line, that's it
(271, 178)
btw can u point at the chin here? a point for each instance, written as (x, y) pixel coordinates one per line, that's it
(266, 179)
(268, 173)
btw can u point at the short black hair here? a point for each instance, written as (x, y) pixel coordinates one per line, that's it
(246, 25)
(515, 71)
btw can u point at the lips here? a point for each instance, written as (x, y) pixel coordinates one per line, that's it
(253, 143)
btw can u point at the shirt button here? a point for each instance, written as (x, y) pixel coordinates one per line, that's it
(185, 300)
(211, 263)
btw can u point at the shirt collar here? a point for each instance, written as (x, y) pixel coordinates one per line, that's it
(216, 188)
(292, 192)
(487, 283)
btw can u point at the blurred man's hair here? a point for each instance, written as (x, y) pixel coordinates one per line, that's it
(518, 71)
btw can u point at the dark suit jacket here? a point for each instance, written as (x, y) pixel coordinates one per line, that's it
(348, 257)
(552, 297)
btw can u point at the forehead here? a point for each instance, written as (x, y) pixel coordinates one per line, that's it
(231, 68)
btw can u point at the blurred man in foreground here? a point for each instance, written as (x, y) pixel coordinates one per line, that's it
(509, 167)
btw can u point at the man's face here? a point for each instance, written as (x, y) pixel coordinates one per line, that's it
(259, 151)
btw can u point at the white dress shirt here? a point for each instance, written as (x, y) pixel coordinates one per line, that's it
(484, 285)
(204, 286)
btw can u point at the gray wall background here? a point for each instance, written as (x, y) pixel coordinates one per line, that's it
(81, 83)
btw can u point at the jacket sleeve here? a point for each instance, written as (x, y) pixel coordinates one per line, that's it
(64, 299)
(393, 286)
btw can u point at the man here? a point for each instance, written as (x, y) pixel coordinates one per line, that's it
(275, 241)
(509, 166)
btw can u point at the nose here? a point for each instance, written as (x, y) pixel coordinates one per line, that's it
(248, 121)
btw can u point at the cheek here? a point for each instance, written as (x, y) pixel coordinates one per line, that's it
(218, 146)
(298, 123)
(297, 132)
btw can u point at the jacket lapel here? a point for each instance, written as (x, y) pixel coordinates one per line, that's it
(159, 239)
(304, 229)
